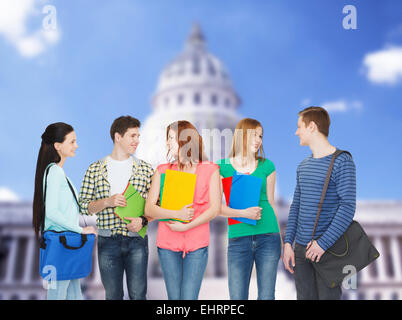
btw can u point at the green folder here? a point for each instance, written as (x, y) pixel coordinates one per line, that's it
(134, 209)
(162, 184)
(161, 193)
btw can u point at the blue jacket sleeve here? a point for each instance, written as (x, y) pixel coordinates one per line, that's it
(345, 180)
(291, 226)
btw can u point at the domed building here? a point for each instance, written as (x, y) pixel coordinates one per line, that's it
(194, 86)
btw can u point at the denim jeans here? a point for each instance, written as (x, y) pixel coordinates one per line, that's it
(309, 285)
(65, 290)
(183, 276)
(118, 254)
(265, 251)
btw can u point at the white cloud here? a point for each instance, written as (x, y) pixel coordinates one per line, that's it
(384, 66)
(7, 195)
(14, 17)
(342, 105)
(30, 46)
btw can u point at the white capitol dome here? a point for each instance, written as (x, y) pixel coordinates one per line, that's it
(196, 87)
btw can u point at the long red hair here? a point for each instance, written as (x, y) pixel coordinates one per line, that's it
(191, 146)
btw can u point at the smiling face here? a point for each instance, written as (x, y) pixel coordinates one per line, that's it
(68, 146)
(256, 140)
(172, 145)
(129, 141)
(247, 140)
(304, 132)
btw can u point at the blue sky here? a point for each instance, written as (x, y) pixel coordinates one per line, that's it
(105, 58)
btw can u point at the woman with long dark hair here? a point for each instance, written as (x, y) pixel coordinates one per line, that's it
(59, 211)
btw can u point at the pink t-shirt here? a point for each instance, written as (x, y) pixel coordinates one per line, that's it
(197, 237)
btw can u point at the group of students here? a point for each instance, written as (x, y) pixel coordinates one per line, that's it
(183, 247)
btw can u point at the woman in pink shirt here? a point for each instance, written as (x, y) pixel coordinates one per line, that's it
(183, 247)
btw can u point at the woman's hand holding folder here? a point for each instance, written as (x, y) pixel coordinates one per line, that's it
(186, 213)
(252, 213)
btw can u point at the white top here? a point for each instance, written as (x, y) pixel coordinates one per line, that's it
(119, 173)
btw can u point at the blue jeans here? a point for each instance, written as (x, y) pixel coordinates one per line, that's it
(118, 254)
(64, 290)
(265, 251)
(183, 276)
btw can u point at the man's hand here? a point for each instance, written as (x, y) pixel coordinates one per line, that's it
(117, 200)
(135, 225)
(289, 257)
(314, 251)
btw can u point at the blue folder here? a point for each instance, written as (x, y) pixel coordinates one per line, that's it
(245, 193)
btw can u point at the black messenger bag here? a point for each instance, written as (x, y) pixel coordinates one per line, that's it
(352, 249)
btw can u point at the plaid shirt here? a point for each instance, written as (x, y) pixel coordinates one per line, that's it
(95, 186)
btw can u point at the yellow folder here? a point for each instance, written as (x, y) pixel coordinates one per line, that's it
(178, 189)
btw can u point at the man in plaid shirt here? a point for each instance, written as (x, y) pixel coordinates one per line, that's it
(120, 248)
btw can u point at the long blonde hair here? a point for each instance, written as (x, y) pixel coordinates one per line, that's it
(241, 139)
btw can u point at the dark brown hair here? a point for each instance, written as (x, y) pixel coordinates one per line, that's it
(319, 116)
(122, 124)
(187, 136)
(55, 132)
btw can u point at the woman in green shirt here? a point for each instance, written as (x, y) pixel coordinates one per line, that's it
(260, 243)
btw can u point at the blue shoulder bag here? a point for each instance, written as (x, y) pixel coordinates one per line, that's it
(65, 255)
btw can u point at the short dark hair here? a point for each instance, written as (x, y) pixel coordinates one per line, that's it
(122, 124)
(319, 116)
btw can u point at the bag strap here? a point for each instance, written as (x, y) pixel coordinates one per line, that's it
(75, 197)
(63, 241)
(44, 198)
(324, 190)
(73, 192)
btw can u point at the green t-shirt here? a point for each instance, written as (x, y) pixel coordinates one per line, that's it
(268, 222)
